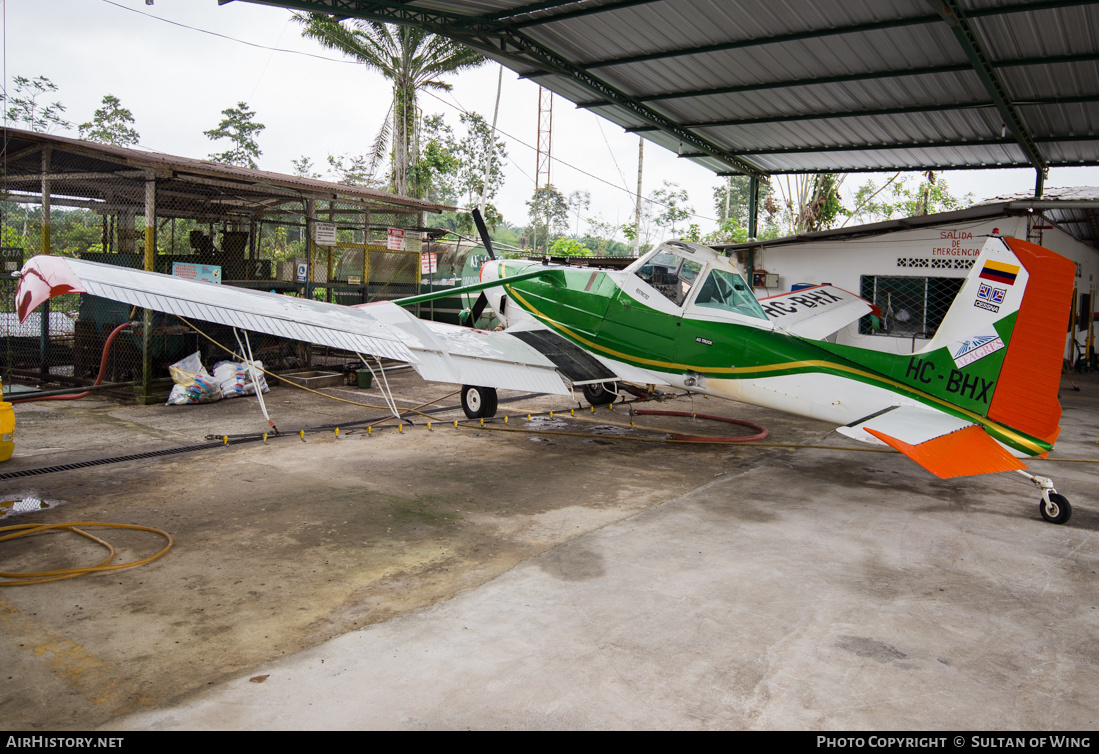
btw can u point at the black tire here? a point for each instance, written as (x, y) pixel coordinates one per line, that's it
(479, 402)
(1061, 510)
(597, 395)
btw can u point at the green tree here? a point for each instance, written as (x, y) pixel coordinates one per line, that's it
(111, 124)
(411, 58)
(24, 108)
(569, 247)
(549, 215)
(472, 152)
(579, 201)
(900, 198)
(437, 164)
(303, 167)
(239, 127)
(809, 202)
(351, 170)
(731, 200)
(672, 209)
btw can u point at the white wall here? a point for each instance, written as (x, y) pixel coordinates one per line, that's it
(933, 251)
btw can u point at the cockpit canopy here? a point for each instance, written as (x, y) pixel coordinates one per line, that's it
(678, 268)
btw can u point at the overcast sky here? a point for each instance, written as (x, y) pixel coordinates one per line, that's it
(177, 80)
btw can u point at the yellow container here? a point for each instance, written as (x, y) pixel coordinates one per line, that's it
(7, 431)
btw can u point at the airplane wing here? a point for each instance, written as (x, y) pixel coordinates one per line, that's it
(815, 312)
(945, 445)
(437, 352)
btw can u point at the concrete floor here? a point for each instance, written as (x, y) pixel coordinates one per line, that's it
(468, 578)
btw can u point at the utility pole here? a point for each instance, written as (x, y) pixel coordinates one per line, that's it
(637, 212)
(545, 142)
(491, 143)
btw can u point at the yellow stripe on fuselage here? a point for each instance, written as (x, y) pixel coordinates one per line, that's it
(1016, 437)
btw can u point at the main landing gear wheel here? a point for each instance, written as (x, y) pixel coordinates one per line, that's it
(479, 402)
(597, 395)
(1057, 510)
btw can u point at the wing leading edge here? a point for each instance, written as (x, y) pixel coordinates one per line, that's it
(438, 353)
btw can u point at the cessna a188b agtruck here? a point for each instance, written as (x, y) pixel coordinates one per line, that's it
(979, 397)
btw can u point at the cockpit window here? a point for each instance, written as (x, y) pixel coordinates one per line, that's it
(673, 276)
(728, 291)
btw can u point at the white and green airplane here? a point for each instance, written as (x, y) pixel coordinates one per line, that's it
(981, 395)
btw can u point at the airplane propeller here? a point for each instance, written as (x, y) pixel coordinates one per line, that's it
(482, 301)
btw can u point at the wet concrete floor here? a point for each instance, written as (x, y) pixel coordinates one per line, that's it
(478, 578)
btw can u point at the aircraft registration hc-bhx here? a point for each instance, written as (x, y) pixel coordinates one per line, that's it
(981, 395)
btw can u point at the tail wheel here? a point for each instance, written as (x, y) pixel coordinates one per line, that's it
(479, 402)
(1057, 510)
(597, 395)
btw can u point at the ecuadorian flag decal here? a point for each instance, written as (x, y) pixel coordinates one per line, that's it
(999, 272)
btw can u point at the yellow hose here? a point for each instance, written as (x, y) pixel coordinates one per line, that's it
(42, 577)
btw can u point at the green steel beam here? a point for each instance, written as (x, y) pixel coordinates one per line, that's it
(951, 12)
(852, 77)
(577, 13)
(1075, 99)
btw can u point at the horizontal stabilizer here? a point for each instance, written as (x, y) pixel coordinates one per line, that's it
(943, 444)
(910, 424)
(817, 312)
(967, 452)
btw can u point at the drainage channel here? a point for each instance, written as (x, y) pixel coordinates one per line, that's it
(192, 448)
(120, 459)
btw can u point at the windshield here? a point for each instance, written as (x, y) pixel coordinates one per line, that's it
(671, 275)
(728, 291)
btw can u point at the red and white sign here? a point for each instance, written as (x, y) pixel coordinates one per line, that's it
(396, 239)
(400, 239)
(429, 263)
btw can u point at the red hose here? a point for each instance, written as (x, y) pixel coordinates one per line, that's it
(710, 417)
(98, 380)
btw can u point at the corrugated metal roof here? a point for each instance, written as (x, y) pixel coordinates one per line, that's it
(72, 155)
(773, 86)
(1075, 210)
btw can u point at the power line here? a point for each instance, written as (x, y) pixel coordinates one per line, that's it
(455, 105)
(224, 36)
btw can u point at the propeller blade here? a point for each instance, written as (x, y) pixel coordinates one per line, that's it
(483, 231)
(478, 307)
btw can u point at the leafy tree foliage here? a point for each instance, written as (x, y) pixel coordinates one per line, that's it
(672, 210)
(239, 127)
(304, 168)
(111, 124)
(569, 247)
(579, 201)
(906, 197)
(549, 215)
(25, 110)
(411, 58)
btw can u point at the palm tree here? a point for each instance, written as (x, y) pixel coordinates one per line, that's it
(411, 58)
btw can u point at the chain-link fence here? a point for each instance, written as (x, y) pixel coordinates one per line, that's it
(911, 307)
(221, 224)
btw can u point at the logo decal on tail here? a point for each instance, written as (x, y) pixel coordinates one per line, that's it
(990, 297)
(975, 349)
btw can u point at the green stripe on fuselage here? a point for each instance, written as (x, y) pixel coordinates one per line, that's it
(604, 318)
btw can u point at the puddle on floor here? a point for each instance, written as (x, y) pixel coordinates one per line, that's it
(25, 504)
